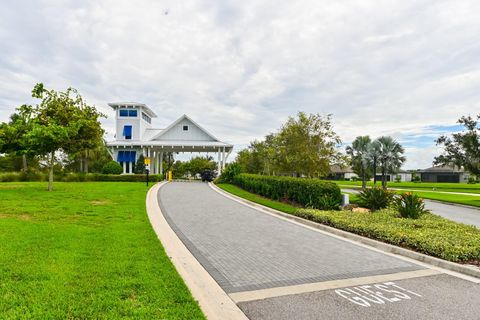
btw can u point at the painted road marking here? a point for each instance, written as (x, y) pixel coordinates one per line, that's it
(245, 296)
(368, 295)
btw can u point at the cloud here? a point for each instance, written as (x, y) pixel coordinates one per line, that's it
(241, 68)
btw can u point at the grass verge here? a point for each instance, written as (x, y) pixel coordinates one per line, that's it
(85, 251)
(430, 234)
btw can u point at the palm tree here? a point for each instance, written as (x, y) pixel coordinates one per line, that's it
(390, 156)
(373, 156)
(359, 154)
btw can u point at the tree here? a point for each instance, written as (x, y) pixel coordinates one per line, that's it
(373, 155)
(390, 156)
(11, 134)
(307, 145)
(140, 165)
(462, 149)
(197, 165)
(359, 157)
(62, 121)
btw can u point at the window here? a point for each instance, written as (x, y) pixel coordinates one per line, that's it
(127, 132)
(185, 128)
(126, 156)
(128, 113)
(146, 118)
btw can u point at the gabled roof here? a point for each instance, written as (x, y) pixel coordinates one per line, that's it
(167, 129)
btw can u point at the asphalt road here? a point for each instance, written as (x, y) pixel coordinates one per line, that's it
(269, 265)
(462, 214)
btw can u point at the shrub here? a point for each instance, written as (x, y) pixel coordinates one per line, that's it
(430, 234)
(112, 167)
(229, 173)
(375, 198)
(312, 193)
(409, 205)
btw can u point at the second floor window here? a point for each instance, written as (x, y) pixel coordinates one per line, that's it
(127, 132)
(128, 113)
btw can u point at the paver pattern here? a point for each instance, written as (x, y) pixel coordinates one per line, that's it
(244, 249)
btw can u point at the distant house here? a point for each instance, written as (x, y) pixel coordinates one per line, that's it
(444, 174)
(341, 173)
(401, 176)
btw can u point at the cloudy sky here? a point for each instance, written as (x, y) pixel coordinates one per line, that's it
(404, 68)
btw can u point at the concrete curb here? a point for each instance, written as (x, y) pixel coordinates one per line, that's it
(455, 267)
(213, 301)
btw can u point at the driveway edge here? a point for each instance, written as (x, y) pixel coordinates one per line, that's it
(214, 302)
(451, 266)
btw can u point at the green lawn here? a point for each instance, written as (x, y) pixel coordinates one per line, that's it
(277, 205)
(426, 191)
(444, 187)
(85, 251)
(430, 234)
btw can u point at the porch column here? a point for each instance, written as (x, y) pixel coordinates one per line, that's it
(124, 167)
(130, 167)
(223, 158)
(157, 156)
(219, 169)
(161, 162)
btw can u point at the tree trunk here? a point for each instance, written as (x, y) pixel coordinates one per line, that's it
(85, 166)
(364, 180)
(375, 171)
(24, 163)
(50, 173)
(81, 164)
(384, 178)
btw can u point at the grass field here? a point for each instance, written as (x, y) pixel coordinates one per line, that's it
(444, 187)
(85, 251)
(432, 191)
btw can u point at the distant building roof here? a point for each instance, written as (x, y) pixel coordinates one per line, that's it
(338, 169)
(443, 169)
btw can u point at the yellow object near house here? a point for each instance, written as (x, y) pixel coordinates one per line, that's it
(146, 161)
(170, 175)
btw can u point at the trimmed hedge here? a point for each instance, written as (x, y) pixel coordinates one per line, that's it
(77, 177)
(429, 234)
(312, 193)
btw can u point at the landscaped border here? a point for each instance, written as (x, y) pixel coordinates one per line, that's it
(451, 266)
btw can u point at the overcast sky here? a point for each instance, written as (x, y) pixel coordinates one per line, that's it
(404, 68)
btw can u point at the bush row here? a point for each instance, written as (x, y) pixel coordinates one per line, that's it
(312, 193)
(429, 234)
(76, 177)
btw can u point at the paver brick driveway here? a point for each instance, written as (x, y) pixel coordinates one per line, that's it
(246, 250)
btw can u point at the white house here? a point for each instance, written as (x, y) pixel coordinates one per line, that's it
(135, 136)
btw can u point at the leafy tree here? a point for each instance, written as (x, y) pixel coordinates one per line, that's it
(140, 165)
(462, 149)
(359, 157)
(197, 165)
(307, 145)
(390, 156)
(62, 121)
(11, 134)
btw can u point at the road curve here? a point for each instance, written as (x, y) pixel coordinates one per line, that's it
(277, 269)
